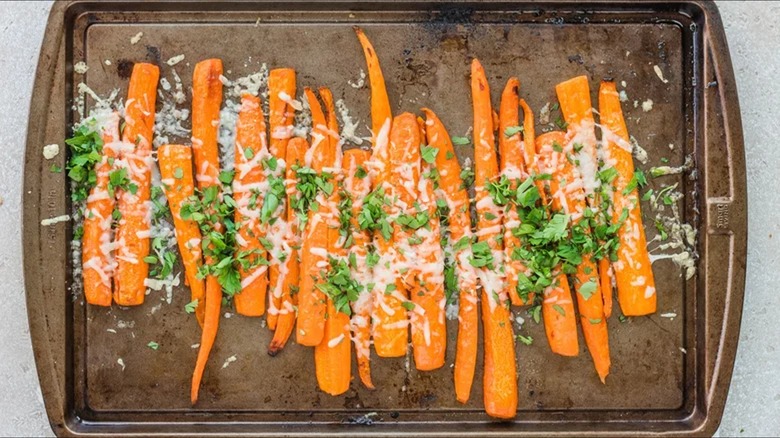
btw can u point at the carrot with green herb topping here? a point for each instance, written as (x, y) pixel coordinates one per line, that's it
(380, 103)
(249, 177)
(633, 269)
(499, 378)
(97, 260)
(177, 182)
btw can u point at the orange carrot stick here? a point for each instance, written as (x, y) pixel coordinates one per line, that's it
(132, 234)
(312, 303)
(457, 199)
(633, 270)
(295, 155)
(606, 275)
(281, 92)
(560, 322)
(358, 184)
(250, 148)
(206, 102)
(97, 260)
(177, 182)
(380, 103)
(499, 379)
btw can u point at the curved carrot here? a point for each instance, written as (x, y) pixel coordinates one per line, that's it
(499, 379)
(281, 92)
(358, 187)
(177, 182)
(633, 270)
(97, 260)
(206, 102)
(132, 234)
(294, 155)
(250, 149)
(560, 322)
(459, 228)
(312, 303)
(380, 103)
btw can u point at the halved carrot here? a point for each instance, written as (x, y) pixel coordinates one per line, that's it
(249, 177)
(457, 199)
(281, 92)
(380, 103)
(359, 187)
(285, 321)
(132, 234)
(560, 322)
(97, 259)
(606, 275)
(312, 303)
(633, 270)
(499, 378)
(206, 102)
(177, 182)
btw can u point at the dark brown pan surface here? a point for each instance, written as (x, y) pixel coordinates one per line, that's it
(668, 374)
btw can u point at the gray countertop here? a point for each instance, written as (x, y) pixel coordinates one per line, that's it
(753, 31)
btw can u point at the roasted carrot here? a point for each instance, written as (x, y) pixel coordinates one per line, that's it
(513, 168)
(499, 379)
(560, 322)
(380, 103)
(312, 303)
(568, 197)
(633, 270)
(132, 234)
(281, 92)
(97, 258)
(357, 184)
(206, 102)
(457, 199)
(606, 275)
(177, 182)
(250, 148)
(294, 155)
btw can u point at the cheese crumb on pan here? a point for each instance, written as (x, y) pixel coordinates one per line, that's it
(80, 67)
(136, 38)
(51, 150)
(175, 60)
(660, 74)
(55, 220)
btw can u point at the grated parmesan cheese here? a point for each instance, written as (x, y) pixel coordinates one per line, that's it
(660, 74)
(51, 150)
(55, 220)
(137, 37)
(175, 60)
(80, 67)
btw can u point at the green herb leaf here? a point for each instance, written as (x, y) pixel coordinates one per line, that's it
(460, 140)
(191, 306)
(428, 154)
(153, 345)
(512, 130)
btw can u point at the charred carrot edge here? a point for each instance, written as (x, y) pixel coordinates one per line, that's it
(97, 259)
(499, 378)
(513, 167)
(380, 103)
(177, 181)
(391, 334)
(633, 270)
(359, 188)
(281, 93)
(132, 234)
(560, 322)
(295, 153)
(250, 136)
(429, 331)
(312, 303)
(457, 199)
(206, 102)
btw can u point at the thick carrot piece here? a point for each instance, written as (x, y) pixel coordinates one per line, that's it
(560, 322)
(357, 184)
(380, 103)
(633, 270)
(206, 102)
(457, 199)
(132, 234)
(178, 183)
(499, 379)
(250, 148)
(97, 259)
(281, 93)
(285, 321)
(312, 302)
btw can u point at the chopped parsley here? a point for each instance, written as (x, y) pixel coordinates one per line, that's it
(338, 284)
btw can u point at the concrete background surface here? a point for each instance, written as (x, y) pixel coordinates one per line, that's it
(753, 31)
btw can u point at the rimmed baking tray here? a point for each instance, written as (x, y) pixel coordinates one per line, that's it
(670, 374)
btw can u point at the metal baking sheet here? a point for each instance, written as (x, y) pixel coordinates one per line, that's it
(669, 375)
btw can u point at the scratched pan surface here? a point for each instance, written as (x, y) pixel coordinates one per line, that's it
(668, 374)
